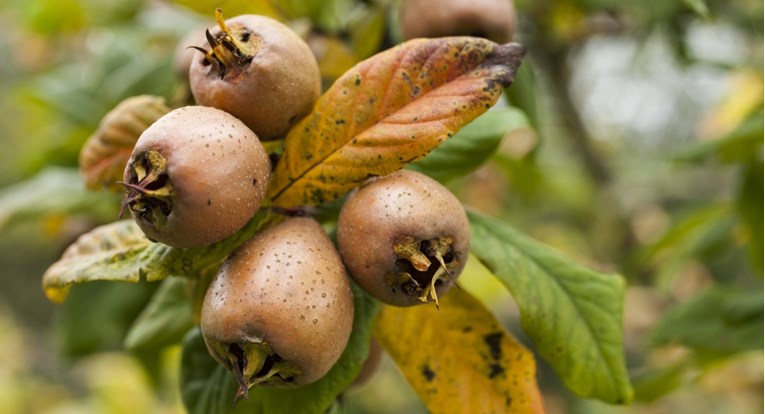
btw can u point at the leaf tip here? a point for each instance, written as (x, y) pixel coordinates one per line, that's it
(56, 294)
(507, 56)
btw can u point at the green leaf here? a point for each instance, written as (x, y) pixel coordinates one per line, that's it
(573, 314)
(656, 383)
(208, 388)
(120, 251)
(719, 322)
(743, 144)
(367, 29)
(471, 146)
(698, 6)
(749, 203)
(693, 233)
(84, 91)
(165, 319)
(524, 94)
(53, 191)
(99, 315)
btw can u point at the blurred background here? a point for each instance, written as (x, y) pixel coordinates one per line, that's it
(644, 156)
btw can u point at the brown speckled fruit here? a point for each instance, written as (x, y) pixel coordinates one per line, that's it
(404, 238)
(491, 19)
(280, 310)
(196, 176)
(258, 70)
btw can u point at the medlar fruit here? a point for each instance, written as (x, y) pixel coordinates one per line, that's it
(280, 310)
(404, 238)
(491, 19)
(258, 70)
(196, 176)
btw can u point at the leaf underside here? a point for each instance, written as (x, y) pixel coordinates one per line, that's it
(459, 359)
(572, 314)
(120, 251)
(387, 111)
(164, 320)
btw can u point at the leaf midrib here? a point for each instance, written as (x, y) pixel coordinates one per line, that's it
(568, 296)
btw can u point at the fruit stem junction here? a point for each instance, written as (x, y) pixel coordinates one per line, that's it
(420, 255)
(253, 362)
(229, 49)
(149, 190)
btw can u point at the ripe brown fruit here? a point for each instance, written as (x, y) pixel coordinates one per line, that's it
(491, 19)
(196, 176)
(280, 310)
(404, 238)
(258, 70)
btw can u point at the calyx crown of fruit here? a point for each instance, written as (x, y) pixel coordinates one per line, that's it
(226, 51)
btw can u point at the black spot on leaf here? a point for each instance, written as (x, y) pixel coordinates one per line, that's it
(495, 370)
(428, 373)
(493, 342)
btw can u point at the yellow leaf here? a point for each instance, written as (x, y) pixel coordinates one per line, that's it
(388, 110)
(459, 359)
(744, 97)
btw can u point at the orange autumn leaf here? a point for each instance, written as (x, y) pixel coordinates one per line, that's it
(387, 111)
(459, 359)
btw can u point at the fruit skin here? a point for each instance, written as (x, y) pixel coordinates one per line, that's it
(273, 88)
(492, 19)
(385, 213)
(213, 181)
(285, 290)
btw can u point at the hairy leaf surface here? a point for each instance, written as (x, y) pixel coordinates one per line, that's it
(387, 111)
(459, 359)
(120, 251)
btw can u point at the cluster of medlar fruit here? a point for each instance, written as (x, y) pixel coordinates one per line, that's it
(279, 312)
